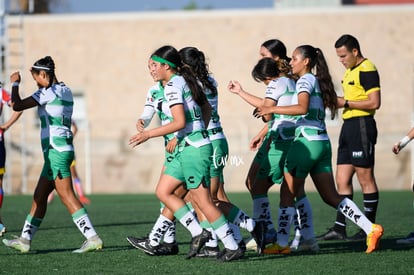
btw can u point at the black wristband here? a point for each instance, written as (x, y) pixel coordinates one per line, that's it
(346, 104)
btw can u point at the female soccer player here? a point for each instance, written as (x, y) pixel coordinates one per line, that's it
(191, 112)
(55, 106)
(161, 238)
(195, 59)
(311, 152)
(269, 160)
(259, 184)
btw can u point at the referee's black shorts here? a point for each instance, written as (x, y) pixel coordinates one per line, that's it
(357, 141)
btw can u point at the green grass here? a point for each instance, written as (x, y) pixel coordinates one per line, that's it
(117, 216)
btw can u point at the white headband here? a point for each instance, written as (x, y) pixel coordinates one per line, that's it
(41, 68)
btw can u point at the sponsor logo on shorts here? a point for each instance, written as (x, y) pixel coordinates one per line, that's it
(357, 154)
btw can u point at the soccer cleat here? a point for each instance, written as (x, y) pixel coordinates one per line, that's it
(359, 236)
(134, 241)
(251, 244)
(277, 249)
(407, 240)
(258, 234)
(168, 249)
(91, 244)
(295, 242)
(2, 229)
(242, 245)
(374, 237)
(270, 237)
(310, 245)
(208, 251)
(20, 244)
(159, 250)
(332, 235)
(145, 245)
(197, 243)
(228, 255)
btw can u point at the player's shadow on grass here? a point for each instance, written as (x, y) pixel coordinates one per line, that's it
(106, 249)
(360, 246)
(123, 224)
(97, 225)
(342, 247)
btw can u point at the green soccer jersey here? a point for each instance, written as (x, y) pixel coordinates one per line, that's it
(55, 113)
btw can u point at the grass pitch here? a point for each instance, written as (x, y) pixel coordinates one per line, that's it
(117, 216)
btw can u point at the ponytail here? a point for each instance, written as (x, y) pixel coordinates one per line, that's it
(195, 88)
(317, 61)
(325, 83)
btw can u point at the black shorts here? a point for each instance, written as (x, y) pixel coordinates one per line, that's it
(357, 141)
